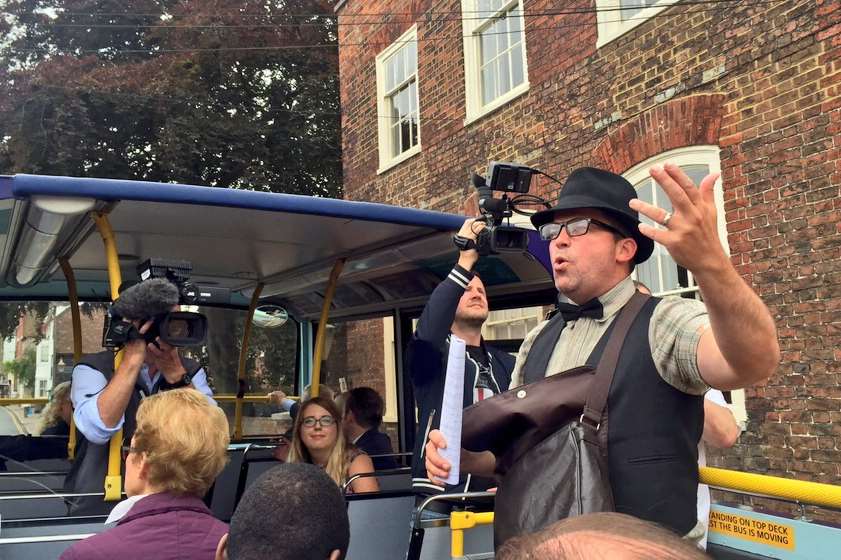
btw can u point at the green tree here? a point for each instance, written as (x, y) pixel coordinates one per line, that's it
(23, 368)
(212, 92)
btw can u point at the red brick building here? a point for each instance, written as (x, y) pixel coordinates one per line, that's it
(431, 91)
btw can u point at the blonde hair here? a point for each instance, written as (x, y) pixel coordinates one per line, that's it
(185, 441)
(337, 463)
(52, 412)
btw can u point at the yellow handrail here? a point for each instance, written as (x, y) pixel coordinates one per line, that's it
(247, 398)
(811, 493)
(38, 400)
(321, 335)
(113, 480)
(802, 491)
(76, 320)
(461, 520)
(243, 355)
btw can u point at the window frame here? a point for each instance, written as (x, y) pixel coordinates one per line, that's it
(386, 160)
(471, 28)
(609, 22)
(696, 155)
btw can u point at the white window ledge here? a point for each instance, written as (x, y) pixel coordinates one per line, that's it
(414, 150)
(500, 101)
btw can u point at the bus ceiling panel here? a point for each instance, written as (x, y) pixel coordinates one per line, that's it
(41, 230)
(237, 247)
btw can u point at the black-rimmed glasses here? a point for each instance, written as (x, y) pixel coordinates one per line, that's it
(325, 421)
(575, 228)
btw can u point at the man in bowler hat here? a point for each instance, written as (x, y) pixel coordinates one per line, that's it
(676, 350)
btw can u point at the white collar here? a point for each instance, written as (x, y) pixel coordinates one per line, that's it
(121, 509)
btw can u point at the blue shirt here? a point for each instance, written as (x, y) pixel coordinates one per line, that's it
(88, 384)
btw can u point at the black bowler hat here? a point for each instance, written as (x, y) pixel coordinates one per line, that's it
(588, 187)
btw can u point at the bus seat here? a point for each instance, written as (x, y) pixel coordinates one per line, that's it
(395, 480)
(379, 526)
(14, 545)
(223, 496)
(31, 483)
(256, 468)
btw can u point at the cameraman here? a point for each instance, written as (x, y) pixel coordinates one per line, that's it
(458, 306)
(106, 400)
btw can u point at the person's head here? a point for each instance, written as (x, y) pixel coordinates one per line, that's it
(317, 439)
(179, 446)
(600, 536)
(363, 408)
(60, 407)
(472, 310)
(292, 512)
(594, 240)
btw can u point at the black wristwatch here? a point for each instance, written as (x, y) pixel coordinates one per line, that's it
(185, 381)
(463, 243)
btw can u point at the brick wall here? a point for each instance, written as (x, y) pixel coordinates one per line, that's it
(759, 80)
(357, 355)
(91, 332)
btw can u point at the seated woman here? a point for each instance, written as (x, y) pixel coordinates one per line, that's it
(179, 447)
(318, 439)
(58, 411)
(55, 429)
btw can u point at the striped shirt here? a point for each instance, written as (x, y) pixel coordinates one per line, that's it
(674, 333)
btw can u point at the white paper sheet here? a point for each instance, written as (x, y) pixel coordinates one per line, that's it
(451, 407)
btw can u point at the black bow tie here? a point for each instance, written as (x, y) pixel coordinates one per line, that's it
(572, 312)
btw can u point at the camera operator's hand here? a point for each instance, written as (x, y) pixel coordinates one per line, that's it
(134, 353)
(167, 361)
(470, 229)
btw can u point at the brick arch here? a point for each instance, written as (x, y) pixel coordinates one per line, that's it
(688, 121)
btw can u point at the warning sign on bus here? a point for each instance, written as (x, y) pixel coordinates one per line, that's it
(756, 530)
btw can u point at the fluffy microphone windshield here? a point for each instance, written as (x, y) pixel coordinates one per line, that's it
(147, 299)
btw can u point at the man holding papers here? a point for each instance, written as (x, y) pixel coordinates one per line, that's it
(459, 307)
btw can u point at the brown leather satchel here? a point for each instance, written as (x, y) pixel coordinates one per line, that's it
(550, 440)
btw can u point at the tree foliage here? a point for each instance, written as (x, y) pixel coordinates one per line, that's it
(23, 368)
(196, 91)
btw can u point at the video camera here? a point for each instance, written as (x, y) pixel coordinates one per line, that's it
(164, 284)
(508, 178)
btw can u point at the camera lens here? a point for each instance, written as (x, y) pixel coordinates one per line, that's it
(189, 293)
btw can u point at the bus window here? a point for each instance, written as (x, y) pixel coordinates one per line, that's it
(362, 354)
(270, 366)
(506, 328)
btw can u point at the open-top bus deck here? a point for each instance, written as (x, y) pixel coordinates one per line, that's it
(73, 239)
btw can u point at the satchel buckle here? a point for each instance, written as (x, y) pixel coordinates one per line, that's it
(589, 422)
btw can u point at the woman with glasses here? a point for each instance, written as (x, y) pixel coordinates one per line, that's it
(178, 448)
(318, 439)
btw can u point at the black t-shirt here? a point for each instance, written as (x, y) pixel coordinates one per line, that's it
(485, 386)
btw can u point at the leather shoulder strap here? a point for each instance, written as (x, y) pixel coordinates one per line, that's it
(597, 396)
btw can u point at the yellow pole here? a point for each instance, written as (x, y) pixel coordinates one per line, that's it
(457, 543)
(321, 336)
(76, 319)
(113, 480)
(812, 493)
(243, 357)
(461, 520)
